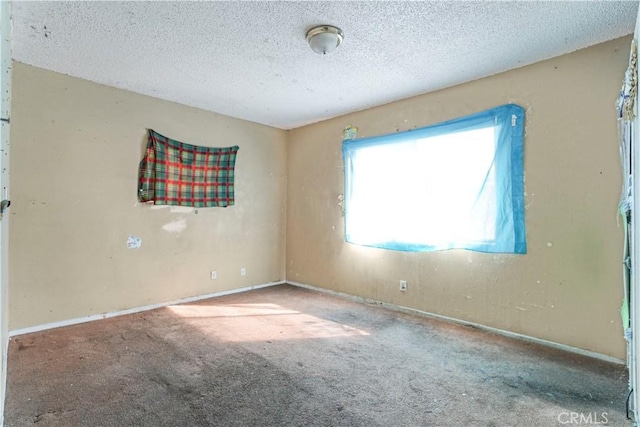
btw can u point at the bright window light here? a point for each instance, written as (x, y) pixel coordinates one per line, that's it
(458, 184)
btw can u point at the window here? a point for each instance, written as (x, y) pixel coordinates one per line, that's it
(457, 184)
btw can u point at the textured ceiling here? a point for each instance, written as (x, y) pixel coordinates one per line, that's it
(251, 60)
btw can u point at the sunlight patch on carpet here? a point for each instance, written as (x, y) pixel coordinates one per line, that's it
(260, 322)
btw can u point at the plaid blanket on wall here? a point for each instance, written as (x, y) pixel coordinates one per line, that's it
(175, 173)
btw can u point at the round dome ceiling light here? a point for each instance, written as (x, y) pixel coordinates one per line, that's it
(324, 38)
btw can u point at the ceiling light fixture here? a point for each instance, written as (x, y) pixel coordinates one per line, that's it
(324, 38)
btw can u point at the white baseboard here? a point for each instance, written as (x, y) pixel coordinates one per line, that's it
(350, 297)
(91, 318)
(502, 332)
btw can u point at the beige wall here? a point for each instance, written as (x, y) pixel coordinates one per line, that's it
(75, 151)
(567, 289)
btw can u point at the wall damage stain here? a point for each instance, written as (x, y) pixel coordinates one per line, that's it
(177, 226)
(134, 242)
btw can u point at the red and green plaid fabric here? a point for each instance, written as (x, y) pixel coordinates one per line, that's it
(175, 173)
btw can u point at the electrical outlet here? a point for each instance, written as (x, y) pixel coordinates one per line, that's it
(214, 275)
(243, 271)
(403, 285)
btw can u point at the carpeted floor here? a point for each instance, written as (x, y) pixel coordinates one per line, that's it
(285, 356)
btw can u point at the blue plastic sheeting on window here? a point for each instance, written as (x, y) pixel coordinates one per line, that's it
(454, 185)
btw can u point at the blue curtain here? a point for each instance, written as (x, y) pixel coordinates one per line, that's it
(456, 184)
